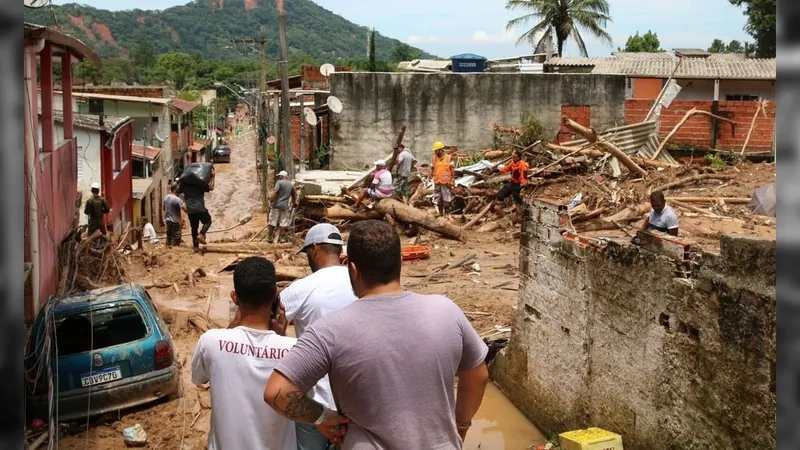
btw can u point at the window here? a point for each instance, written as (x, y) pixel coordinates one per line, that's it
(116, 325)
(740, 98)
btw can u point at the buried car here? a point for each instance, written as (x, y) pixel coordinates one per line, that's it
(221, 154)
(106, 349)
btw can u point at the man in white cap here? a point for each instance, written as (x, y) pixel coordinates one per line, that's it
(279, 214)
(326, 290)
(381, 186)
(96, 207)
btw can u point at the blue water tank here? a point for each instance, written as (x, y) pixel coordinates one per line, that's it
(468, 62)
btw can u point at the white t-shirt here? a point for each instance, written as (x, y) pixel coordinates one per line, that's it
(308, 299)
(667, 219)
(238, 362)
(149, 233)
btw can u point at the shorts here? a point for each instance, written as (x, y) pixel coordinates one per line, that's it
(279, 217)
(375, 194)
(401, 186)
(442, 193)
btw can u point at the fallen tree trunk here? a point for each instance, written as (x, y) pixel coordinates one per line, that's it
(290, 273)
(591, 136)
(495, 154)
(677, 127)
(762, 108)
(629, 214)
(730, 200)
(339, 212)
(707, 213)
(682, 181)
(202, 322)
(409, 214)
(325, 199)
(598, 154)
(589, 215)
(479, 216)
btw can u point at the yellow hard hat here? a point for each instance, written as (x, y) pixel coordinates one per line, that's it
(438, 145)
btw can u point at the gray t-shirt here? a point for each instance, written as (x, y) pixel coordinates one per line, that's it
(667, 219)
(284, 190)
(392, 370)
(173, 205)
(402, 166)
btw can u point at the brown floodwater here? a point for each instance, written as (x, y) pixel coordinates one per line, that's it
(499, 425)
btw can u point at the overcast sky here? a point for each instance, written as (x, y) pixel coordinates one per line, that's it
(478, 26)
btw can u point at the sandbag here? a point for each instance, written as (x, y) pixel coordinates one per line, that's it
(198, 174)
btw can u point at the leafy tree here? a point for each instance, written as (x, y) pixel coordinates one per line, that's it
(373, 67)
(143, 54)
(404, 52)
(643, 43)
(175, 67)
(735, 46)
(717, 46)
(561, 20)
(761, 24)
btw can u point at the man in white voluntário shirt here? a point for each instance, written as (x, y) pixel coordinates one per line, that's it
(304, 301)
(237, 361)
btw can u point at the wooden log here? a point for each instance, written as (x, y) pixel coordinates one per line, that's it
(592, 152)
(678, 126)
(495, 154)
(324, 199)
(478, 217)
(157, 285)
(730, 200)
(409, 214)
(590, 215)
(238, 247)
(597, 225)
(489, 227)
(339, 212)
(591, 136)
(202, 322)
(290, 273)
(762, 108)
(629, 214)
(702, 211)
(682, 181)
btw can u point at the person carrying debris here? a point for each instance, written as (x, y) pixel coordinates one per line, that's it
(172, 215)
(444, 174)
(401, 169)
(519, 178)
(381, 186)
(661, 217)
(308, 299)
(280, 213)
(383, 358)
(96, 207)
(237, 360)
(196, 208)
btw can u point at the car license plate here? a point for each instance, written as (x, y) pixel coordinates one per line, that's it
(101, 376)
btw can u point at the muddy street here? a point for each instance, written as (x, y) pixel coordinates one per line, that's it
(183, 423)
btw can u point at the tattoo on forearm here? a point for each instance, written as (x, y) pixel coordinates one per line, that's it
(297, 406)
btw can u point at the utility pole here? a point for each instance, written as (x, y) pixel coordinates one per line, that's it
(260, 110)
(286, 135)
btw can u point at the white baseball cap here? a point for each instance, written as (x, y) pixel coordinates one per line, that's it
(95, 185)
(283, 173)
(379, 162)
(322, 233)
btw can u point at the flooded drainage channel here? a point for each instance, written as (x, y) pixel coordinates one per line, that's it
(499, 425)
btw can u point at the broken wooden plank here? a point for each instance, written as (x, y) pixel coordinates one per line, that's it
(731, 200)
(478, 217)
(682, 181)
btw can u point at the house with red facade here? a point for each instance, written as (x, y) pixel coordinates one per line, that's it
(51, 191)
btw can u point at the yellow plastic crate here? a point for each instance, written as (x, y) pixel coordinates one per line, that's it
(590, 439)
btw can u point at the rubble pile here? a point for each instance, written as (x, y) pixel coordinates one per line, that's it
(92, 261)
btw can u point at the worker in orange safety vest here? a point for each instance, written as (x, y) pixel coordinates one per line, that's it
(444, 175)
(519, 178)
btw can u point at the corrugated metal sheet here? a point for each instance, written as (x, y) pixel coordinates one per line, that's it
(640, 139)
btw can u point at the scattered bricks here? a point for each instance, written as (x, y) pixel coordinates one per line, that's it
(673, 247)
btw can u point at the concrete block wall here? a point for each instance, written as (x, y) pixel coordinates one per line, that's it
(697, 130)
(458, 109)
(670, 347)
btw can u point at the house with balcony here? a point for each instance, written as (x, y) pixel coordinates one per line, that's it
(52, 196)
(148, 179)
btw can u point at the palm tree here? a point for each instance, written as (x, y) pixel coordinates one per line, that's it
(561, 20)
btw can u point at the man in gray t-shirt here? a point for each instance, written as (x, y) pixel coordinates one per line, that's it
(172, 215)
(392, 370)
(661, 218)
(280, 213)
(401, 169)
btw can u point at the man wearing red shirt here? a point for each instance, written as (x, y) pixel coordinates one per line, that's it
(519, 178)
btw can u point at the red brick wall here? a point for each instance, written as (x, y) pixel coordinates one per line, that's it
(134, 91)
(581, 114)
(312, 78)
(697, 130)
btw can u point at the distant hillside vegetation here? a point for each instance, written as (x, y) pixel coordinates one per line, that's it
(207, 27)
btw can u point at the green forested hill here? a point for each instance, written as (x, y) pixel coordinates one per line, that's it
(207, 27)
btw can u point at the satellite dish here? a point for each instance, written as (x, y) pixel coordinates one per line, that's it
(271, 140)
(311, 116)
(335, 105)
(159, 137)
(327, 69)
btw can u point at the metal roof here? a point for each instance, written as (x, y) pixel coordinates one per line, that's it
(123, 98)
(661, 65)
(145, 152)
(639, 139)
(183, 105)
(92, 122)
(142, 187)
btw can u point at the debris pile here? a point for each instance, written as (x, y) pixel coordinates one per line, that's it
(91, 262)
(608, 176)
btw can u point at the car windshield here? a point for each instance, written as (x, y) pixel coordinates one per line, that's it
(104, 328)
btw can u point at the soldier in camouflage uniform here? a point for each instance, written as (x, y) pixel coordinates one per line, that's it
(96, 208)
